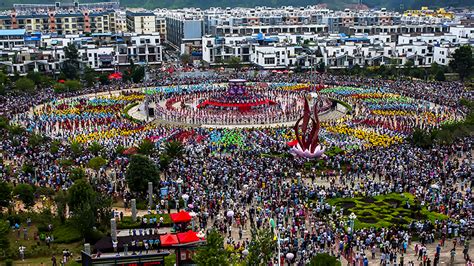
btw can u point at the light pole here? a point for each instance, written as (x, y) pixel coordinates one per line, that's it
(289, 257)
(277, 232)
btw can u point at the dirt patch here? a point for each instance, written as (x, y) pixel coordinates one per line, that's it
(398, 221)
(368, 200)
(348, 205)
(368, 220)
(394, 202)
(418, 216)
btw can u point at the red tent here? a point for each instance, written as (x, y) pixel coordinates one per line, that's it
(180, 217)
(130, 151)
(168, 240)
(116, 75)
(188, 237)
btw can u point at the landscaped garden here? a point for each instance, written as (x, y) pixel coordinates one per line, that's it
(385, 210)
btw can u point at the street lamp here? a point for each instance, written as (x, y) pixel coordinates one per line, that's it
(289, 257)
(352, 218)
(185, 198)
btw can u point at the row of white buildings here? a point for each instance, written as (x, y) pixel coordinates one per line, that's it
(337, 50)
(21, 53)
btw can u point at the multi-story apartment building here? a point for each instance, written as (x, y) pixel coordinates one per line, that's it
(184, 30)
(76, 22)
(334, 50)
(100, 51)
(141, 22)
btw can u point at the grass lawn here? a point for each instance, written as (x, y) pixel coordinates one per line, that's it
(37, 251)
(44, 260)
(385, 210)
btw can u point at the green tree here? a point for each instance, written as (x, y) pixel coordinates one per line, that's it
(61, 199)
(96, 163)
(16, 130)
(90, 76)
(95, 148)
(76, 149)
(174, 149)
(146, 147)
(72, 85)
(138, 73)
(46, 81)
(77, 173)
(35, 77)
(321, 67)
(84, 218)
(104, 78)
(54, 146)
(59, 87)
(25, 85)
(4, 122)
(140, 171)
(213, 253)
(79, 193)
(185, 59)
(70, 66)
(4, 79)
(324, 259)
(4, 233)
(262, 246)
(439, 76)
(35, 140)
(5, 194)
(120, 149)
(421, 138)
(463, 61)
(25, 193)
(234, 62)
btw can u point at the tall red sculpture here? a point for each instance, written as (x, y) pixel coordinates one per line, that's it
(307, 134)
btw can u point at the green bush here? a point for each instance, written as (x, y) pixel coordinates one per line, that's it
(45, 191)
(126, 222)
(324, 259)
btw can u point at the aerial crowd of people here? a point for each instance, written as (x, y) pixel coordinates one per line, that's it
(234, 169)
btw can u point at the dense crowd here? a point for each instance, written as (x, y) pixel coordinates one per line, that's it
(224, 169)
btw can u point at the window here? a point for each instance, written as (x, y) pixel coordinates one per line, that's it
(269, 61)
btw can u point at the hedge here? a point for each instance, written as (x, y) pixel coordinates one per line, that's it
(127, 116)
(127, 223)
